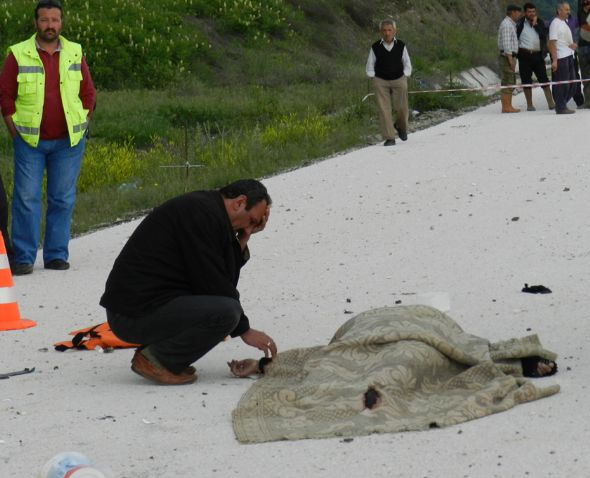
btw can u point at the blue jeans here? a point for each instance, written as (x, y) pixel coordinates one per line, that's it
(62, 163)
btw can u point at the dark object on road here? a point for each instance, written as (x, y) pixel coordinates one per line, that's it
(19, 372)
(536, 289)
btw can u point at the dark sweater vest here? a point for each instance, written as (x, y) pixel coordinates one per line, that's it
(388, 64)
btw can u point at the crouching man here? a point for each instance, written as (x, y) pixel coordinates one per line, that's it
(173, 286)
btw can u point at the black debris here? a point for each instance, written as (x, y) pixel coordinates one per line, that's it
(536, 289)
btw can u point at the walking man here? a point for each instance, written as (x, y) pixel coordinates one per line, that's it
(532, 50)
(390, 67)
(561, 48)
(173, 287)
(47, 98)
(508, 48)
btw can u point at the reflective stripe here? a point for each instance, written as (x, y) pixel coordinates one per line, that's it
(75, 67)
(80, 127)
(31, 69)
(4, 264)
(7, 295)
(26, 129)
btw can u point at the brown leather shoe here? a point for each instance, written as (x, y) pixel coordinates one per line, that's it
(141, 365)
(190, 370)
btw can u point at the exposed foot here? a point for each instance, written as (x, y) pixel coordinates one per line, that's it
(244, 368)
(536, 367)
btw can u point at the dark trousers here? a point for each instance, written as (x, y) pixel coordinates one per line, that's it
(577, 95)
(181, 331)
(563, 93)
(529, 63)
(4, 220)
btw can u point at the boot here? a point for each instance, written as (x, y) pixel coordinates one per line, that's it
(549, 97)
(528, 94)
(507, 104)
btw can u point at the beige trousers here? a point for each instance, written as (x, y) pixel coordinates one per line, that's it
(392, 94)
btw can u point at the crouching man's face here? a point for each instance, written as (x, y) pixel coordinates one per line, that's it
(251, 220)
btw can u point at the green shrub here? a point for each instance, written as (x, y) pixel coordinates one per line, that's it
(290, 129)
(255, 19)
(107, 164)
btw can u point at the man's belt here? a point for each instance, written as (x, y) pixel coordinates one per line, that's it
(502, 53)
(528, 52)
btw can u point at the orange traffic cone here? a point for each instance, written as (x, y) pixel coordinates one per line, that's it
(9, 314)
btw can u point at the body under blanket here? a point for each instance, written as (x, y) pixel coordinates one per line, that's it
(420, 368)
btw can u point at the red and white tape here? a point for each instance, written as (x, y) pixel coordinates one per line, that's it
(492, 87)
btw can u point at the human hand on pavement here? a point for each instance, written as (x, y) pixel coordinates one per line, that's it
(244, 368)
(258, 339)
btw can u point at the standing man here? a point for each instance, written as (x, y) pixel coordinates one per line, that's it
(584, 48)
(173, 287)
(561, 48)
(508, 47)
(47, 101)
(532, 50)
(389, 65)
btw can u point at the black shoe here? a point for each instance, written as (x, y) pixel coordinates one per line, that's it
(402, 134)
(389, 142)
(565, 112)
(22, 269)
(57, 265)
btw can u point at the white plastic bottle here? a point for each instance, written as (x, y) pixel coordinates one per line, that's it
(71, 464)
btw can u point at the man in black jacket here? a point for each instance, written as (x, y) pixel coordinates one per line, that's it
(173, 287)
(532, 50)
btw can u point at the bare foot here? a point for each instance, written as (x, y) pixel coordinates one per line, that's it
(538, 367)
(545, 368)
(244, 368)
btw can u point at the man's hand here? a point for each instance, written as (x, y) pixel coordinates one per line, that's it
(244, 234)
(511, 62)
(573, 46)
(554, 64)
(258, 339)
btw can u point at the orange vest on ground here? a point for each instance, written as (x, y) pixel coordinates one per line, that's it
(89, 338)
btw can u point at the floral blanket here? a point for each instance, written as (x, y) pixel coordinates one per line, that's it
(387, 370)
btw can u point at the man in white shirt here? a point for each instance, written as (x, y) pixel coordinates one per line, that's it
(389, 65)
(561, 48)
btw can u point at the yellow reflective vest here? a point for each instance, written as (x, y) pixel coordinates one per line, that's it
(31, 90)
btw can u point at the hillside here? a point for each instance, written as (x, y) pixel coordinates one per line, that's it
(149, 44)
(195, 93)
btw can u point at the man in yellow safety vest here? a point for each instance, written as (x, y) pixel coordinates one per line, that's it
(47, 98)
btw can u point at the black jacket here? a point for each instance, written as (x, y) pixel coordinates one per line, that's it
(542, 30)
(186, 246)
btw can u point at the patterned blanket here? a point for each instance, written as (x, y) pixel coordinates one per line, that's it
(387, 370)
